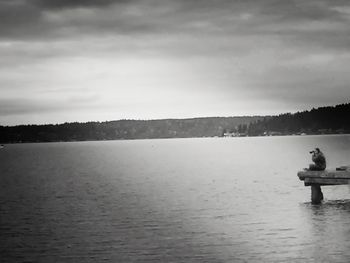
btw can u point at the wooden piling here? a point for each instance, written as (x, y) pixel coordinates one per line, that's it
(316, 194)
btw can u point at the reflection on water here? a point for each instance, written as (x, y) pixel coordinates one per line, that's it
(328, 224)
(179, 200)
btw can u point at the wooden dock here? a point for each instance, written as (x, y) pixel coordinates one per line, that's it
(316, 179)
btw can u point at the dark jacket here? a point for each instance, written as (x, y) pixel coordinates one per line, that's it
(319, 160)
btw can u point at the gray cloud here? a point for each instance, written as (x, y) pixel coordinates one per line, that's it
(53, 4)
(19, 19)
(189, 27)
(250, 49)
(26, 106)
(31, 18)
(313, 24)
(26, 19)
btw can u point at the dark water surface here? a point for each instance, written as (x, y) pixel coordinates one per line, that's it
(176, 200)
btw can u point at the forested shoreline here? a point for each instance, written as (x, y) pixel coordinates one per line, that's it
(123, 129)
(324, 120)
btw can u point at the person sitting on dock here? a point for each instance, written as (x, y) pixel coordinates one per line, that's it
(319, 160)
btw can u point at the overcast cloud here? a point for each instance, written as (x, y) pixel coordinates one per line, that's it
(66, 60)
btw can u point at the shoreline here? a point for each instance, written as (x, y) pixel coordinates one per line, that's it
(168, 138)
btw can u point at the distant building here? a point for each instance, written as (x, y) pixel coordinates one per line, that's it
(272, 133)
(235, 134)
(230, 134)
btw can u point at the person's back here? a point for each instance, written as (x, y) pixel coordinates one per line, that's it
(319, 159)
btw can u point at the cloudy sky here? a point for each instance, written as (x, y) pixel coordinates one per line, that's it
(81, 60)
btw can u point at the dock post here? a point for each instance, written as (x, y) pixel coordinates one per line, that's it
(316, 194)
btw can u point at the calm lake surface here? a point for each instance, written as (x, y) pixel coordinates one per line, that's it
(173, 200)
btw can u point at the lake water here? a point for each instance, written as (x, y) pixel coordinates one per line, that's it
(171, 200)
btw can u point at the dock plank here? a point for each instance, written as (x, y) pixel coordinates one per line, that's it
(325, 181)
(332, 174)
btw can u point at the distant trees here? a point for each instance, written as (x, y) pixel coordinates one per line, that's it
(242, 128)
(316, 121)
(123, 129)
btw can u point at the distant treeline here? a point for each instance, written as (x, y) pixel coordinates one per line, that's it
(124, 129)
(324, 120)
